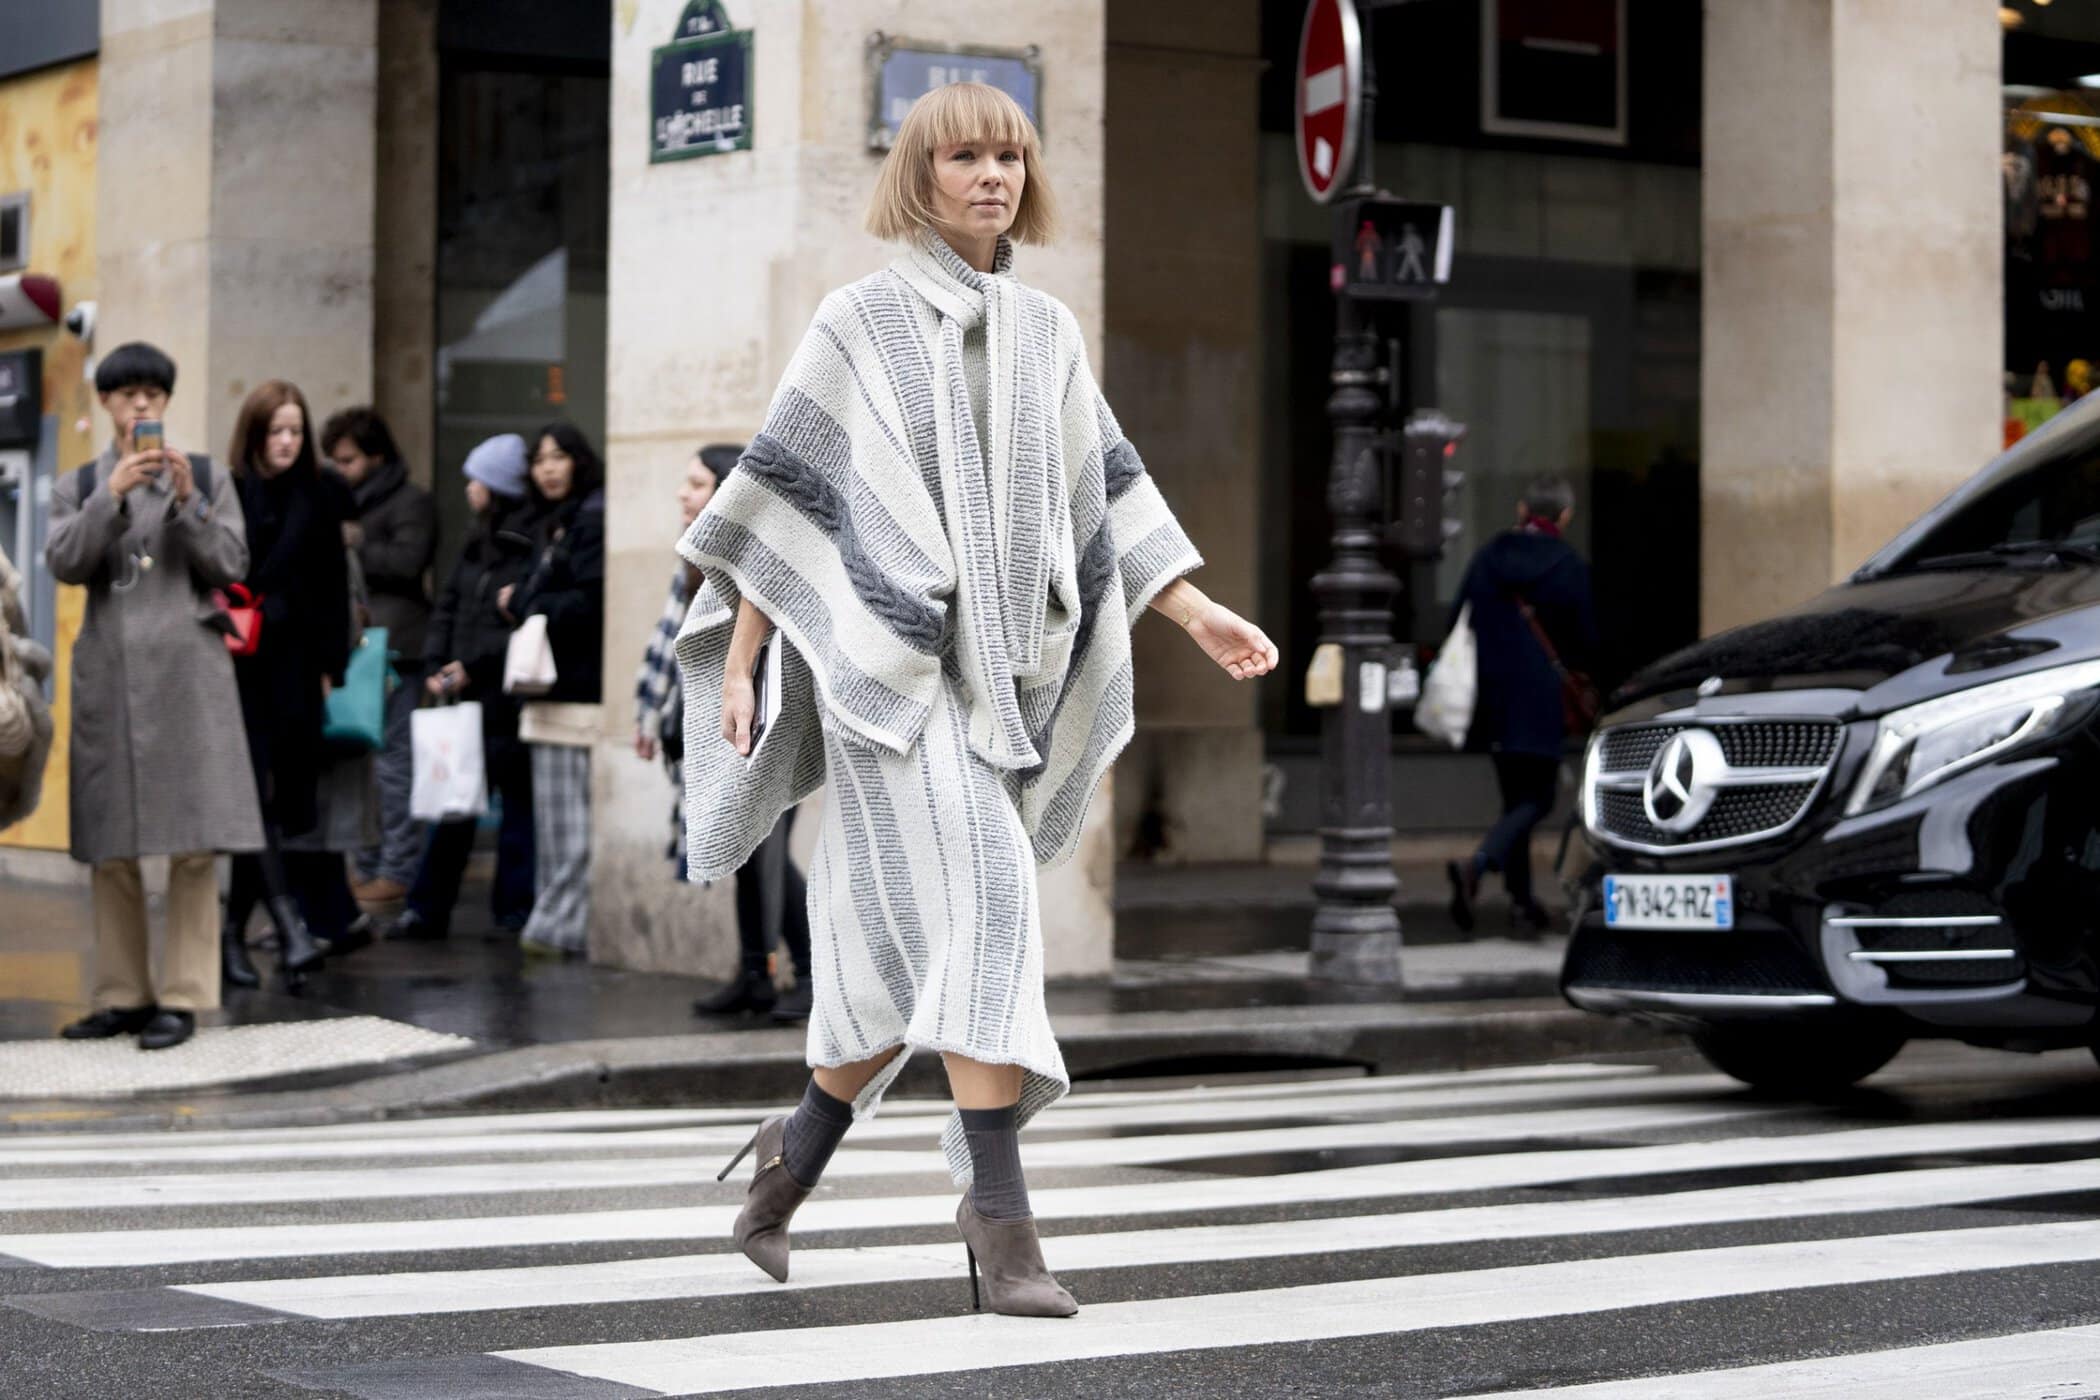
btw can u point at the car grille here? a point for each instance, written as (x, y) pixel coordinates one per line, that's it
(1747, 805)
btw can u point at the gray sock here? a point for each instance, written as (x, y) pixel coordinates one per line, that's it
(997, 1189)
(813, 1133)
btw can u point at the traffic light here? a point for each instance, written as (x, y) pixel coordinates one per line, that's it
(1429, 482)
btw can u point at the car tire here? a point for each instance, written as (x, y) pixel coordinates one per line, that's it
(1796, 1060)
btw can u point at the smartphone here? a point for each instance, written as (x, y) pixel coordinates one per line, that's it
(148, 435)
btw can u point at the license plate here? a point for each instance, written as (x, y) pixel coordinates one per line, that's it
(1669, 901)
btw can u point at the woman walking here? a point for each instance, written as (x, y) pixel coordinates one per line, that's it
(947, 526)
(565, 517)
(300, 583)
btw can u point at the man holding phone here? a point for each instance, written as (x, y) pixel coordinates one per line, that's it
(158, 761)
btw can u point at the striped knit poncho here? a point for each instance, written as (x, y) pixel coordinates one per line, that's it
(898, 551)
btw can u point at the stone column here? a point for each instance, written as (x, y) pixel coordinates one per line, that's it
(404, 255)
(1183, 371)
(1853, 297)
(715, 267)
(235, 184)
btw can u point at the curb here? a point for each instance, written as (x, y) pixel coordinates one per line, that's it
(766, 1067)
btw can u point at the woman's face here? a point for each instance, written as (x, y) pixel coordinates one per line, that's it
(977, 187)
(287, 434)
(697, 489)
(553, 470)
(478, 497)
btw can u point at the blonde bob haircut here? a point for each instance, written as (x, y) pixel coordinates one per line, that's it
(958, 114)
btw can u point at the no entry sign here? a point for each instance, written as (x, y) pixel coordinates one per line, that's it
(1330, 95)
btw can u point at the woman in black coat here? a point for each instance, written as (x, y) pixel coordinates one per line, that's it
(463, 654)
(1517, 715)
(565, 515)
(298, 575)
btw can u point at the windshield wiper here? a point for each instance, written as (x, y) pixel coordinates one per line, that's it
(2010, 554)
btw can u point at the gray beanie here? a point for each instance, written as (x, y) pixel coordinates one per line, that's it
(499, 464)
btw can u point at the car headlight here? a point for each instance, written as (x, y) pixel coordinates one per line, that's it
(1917, 747)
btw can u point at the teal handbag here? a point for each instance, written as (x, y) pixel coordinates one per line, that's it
(357, 707)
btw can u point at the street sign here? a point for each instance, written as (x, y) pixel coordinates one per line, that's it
(905, 71)
(1391, 249)
(700, 87)
(1330, 95)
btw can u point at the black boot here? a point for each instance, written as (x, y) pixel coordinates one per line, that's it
(234, 963)
(751, 990)
(297, 948)
(1465, 888)
(794, 1003)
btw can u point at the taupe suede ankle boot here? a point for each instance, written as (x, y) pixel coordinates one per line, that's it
(1016, 1281)
(762, 1225)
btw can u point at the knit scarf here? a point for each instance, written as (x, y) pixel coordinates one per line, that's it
(1004, 549)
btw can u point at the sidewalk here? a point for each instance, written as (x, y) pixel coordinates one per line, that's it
(1210, 979)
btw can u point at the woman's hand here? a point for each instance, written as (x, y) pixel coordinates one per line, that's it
(1236, 644)
(644, 745)
(450, 677)
(739, 708)
(503, 599)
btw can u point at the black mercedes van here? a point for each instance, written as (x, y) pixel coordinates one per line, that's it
(1877, 817)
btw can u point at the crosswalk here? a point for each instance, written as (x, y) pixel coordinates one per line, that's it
(1558, 1230)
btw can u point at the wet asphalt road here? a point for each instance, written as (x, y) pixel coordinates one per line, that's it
(1506, 1230)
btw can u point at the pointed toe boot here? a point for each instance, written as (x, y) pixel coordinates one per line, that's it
(762, 1225)
(1010, 1257)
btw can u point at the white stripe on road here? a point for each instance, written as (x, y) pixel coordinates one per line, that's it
(143, 1248)
(716, 1275)
(810, 1356)
(884, 1128)
(2025, 1365)
(589, 1126)
(592, 1174)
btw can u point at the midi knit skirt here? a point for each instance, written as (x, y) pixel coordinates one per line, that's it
(924, 928)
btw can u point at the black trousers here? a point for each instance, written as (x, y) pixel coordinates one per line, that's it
(794, 912)
(450, 844)
(1529, 783)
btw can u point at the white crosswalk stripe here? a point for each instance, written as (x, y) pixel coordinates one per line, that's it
(1190, 1224)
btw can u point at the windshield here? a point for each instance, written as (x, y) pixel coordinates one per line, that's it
(2039, 495)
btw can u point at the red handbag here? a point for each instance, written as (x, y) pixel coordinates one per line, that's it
(243, 611)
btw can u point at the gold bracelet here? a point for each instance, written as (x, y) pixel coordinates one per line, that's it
(1188, 614)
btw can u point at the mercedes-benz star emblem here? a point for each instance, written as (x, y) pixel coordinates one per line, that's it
(1681, 783)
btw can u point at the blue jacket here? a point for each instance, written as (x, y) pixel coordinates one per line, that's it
(1519, 705)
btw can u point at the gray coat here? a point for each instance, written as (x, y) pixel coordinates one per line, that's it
(159, 759)
(22, 774)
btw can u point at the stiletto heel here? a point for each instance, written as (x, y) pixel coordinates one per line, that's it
(1015, 1277)
(741, 1153)
(769, 1202)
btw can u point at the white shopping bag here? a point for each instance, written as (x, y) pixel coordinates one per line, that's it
(451, 779)
(1445, 710)
(528, 663)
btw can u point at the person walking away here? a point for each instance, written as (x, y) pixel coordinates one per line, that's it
(299, 579)
(25, 717)
(952, 535)
(394, 535)
(565, 516)
(157, 762)
(463, 653)
(660, 730)
(1518, 717)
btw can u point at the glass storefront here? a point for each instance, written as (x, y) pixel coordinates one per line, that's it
(1567, 338)
(523, 197)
